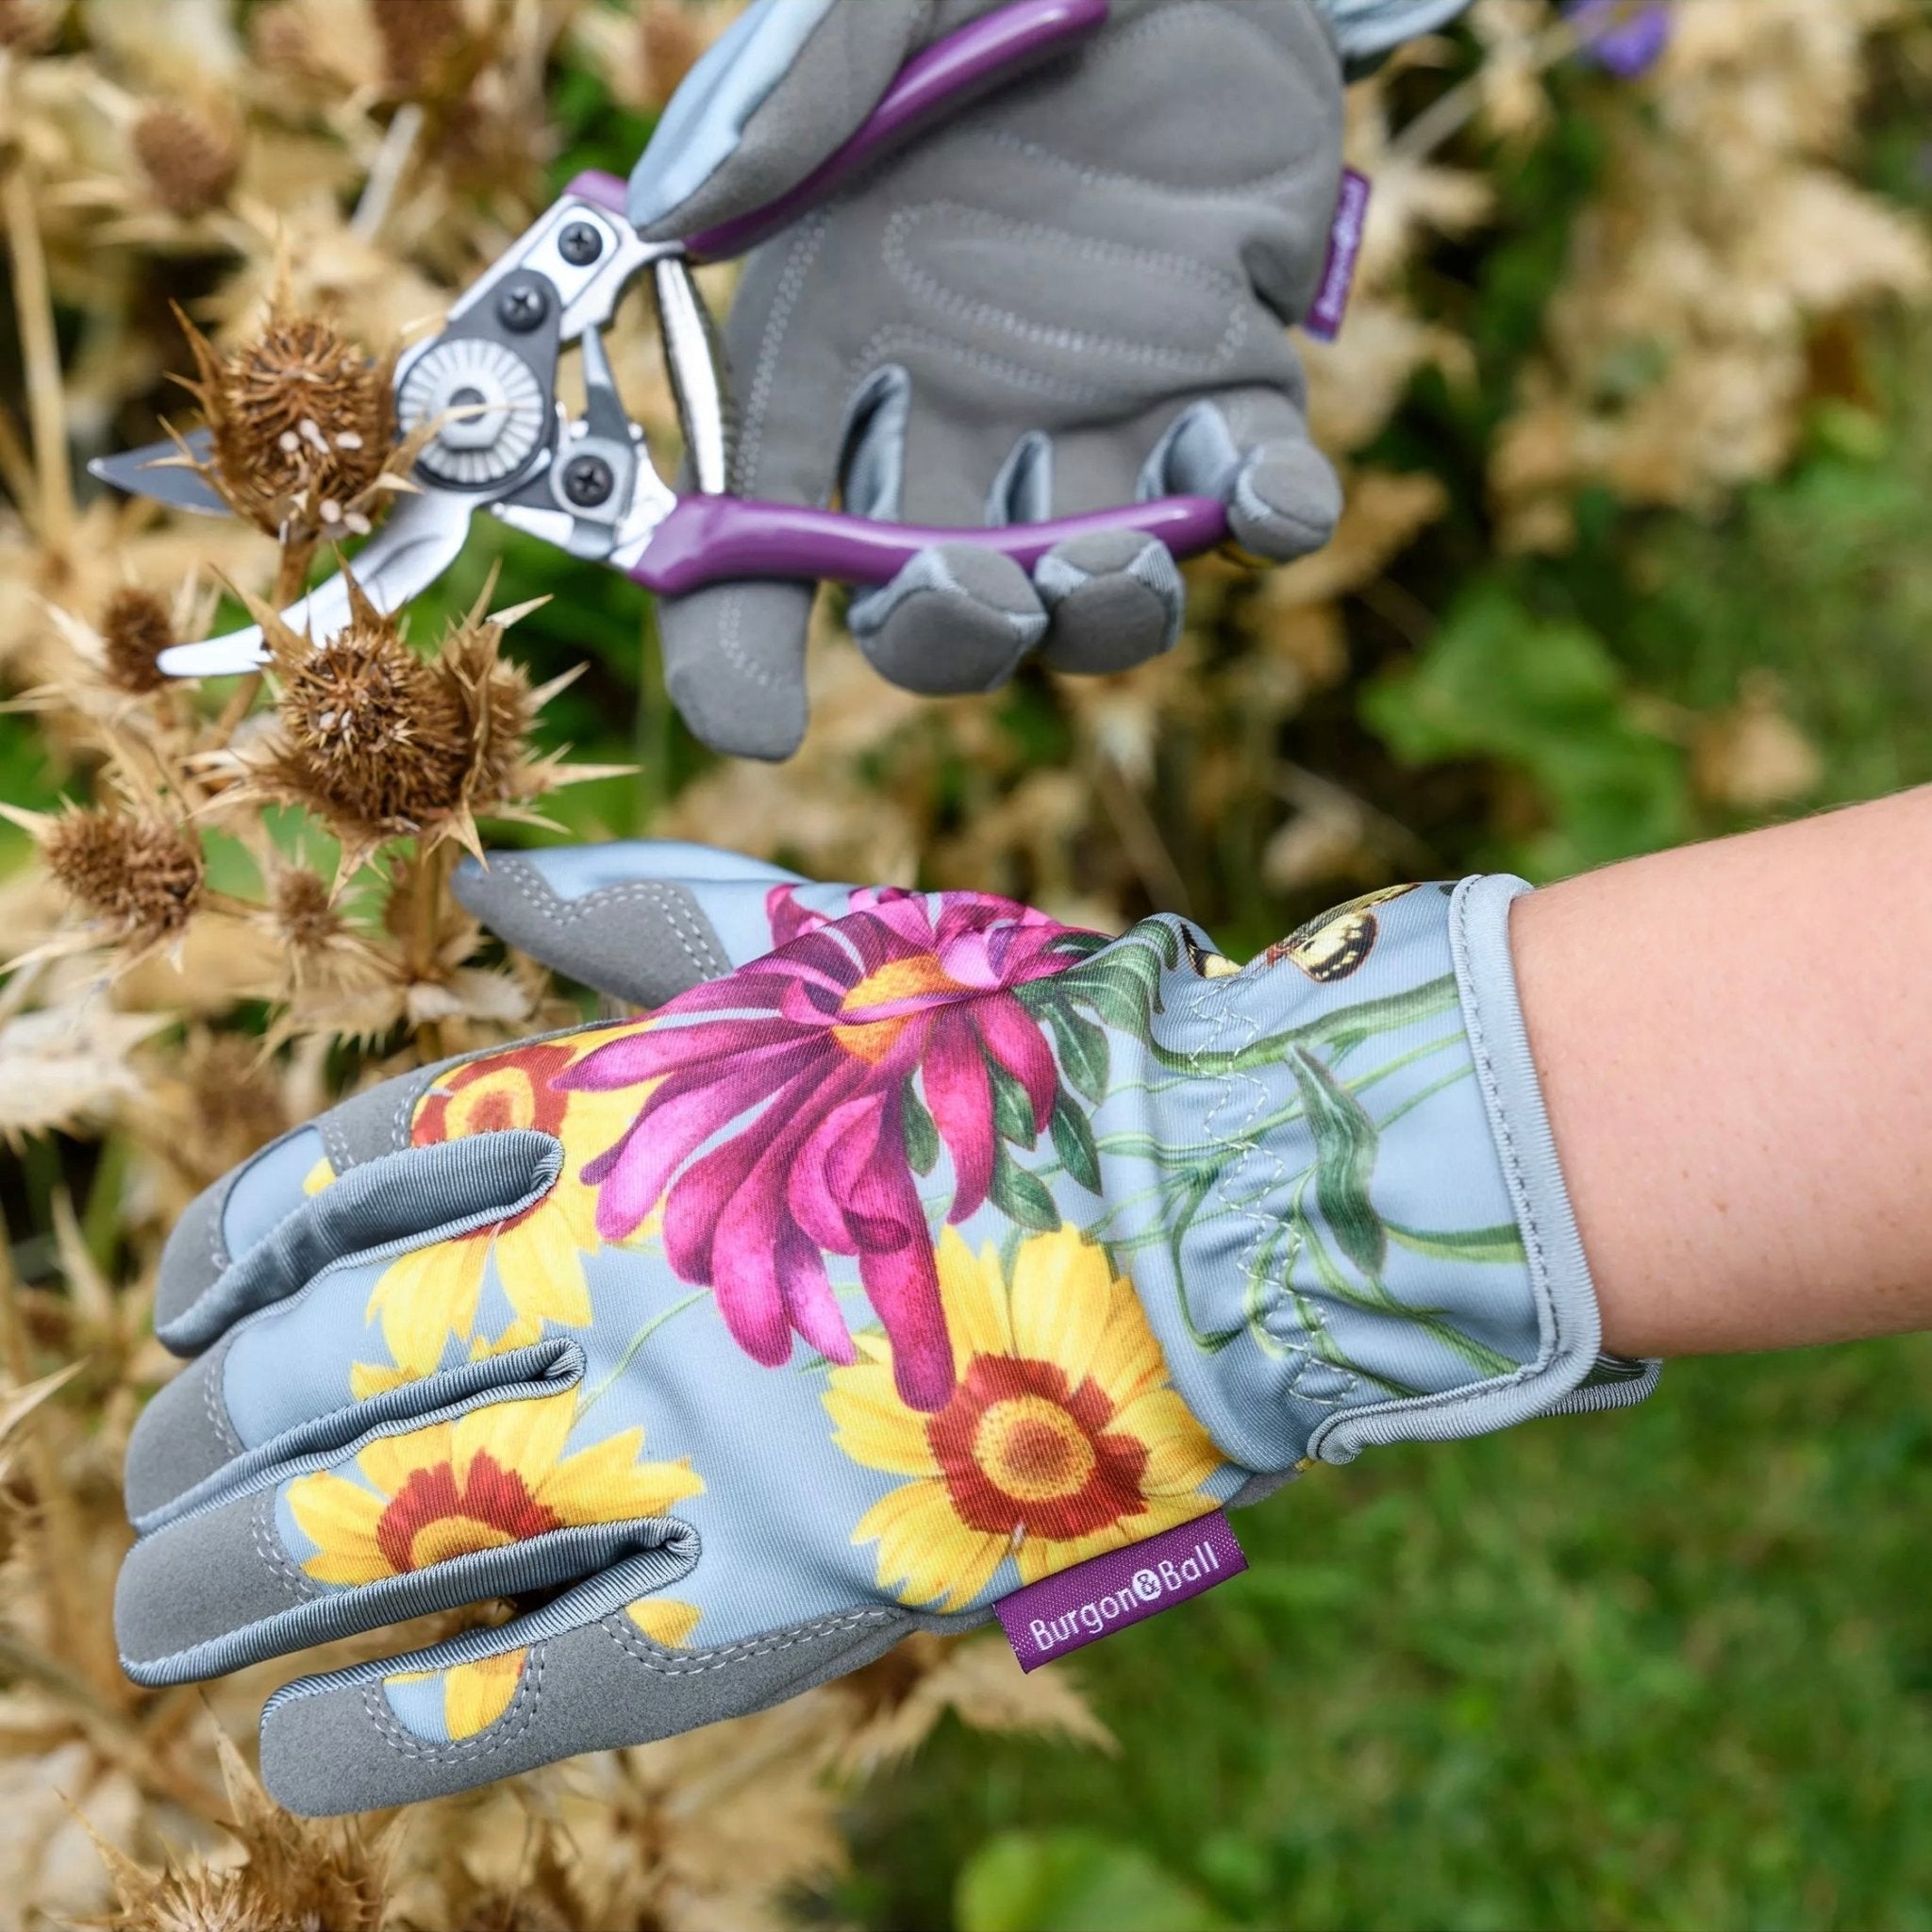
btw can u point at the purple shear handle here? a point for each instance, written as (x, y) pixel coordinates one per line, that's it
(707, 540)
(710, 539)
(933, 82)
(947, 73)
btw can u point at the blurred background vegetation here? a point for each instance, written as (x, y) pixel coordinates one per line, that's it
(1635, 404)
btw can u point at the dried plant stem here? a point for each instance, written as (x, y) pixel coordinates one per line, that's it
(34, 305)
(291, 578)
(58, 1541)
(16, 466)
(426, 910)
(1139, 837)
(1449, 113)
(108, 1730)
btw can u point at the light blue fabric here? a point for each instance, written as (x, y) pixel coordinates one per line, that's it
(1323, 1184)
(701, 126)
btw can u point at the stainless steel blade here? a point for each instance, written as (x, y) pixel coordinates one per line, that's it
(417, 543)
(156, 470)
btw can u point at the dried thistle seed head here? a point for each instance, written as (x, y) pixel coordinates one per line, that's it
(300, 420)
(231, 1097)
(670, 38)
(500, 711)
(292, 1871)
(304, 910)
(421, 41)
(371, 734)
(136, 628)
(28, 24)
(189, 162)
(138, 875)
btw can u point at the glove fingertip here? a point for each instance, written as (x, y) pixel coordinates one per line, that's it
(1115, 598)
(1285, 500)
(956, 618)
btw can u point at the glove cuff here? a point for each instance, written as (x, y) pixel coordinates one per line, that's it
(1362, 1232)
(1568, 1374)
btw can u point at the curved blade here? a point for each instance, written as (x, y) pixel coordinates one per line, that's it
(416, 545)
(156, 470)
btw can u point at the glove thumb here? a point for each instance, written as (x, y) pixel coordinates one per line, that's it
(641, 920)
(777, 94)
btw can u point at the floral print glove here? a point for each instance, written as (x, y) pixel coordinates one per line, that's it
(913, 1248)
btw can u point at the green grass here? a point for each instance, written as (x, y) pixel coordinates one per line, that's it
(1666, 1668)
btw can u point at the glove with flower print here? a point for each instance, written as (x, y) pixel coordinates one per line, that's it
(913, 1248)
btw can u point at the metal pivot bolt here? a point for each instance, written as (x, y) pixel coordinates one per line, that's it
(522, 307)
(580, 244)
(588, 482)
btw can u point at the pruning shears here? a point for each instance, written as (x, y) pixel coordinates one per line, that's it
(502, 441)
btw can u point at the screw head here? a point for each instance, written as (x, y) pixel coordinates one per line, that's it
(588, 482)
(522, 307)
(580, 244)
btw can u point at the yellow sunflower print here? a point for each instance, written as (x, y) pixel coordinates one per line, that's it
(473, 1696)
(1062, 1438)
(426, 1297)
(495, 1476)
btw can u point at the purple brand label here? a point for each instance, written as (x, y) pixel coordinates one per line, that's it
(1338, 267)
(1067, 1610)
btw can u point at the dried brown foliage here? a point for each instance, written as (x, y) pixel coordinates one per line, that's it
(379, 152)
(189, 162)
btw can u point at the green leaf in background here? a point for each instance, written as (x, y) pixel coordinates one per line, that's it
(1072, 1141)
(922, 1135)
(1345, 1148)
(1073, 1881)
(1498, 681)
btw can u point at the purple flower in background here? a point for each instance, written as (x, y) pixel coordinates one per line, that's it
(801, 1060)
(1626, 38)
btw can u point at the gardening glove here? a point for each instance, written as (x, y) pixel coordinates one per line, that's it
(915, 1249)
(1072, 294)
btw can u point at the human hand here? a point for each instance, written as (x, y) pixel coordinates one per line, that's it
(1074, 294)
(914, 1248)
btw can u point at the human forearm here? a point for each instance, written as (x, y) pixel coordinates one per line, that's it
(1731, 1039)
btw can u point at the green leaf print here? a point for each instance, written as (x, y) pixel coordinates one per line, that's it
(921, 1135)
(1020, 1196)
(1347, 1144)
(1474, 1244)
(1083, 1051)
(1072, 1141)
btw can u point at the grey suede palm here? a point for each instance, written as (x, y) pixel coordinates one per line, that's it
(1072, 294)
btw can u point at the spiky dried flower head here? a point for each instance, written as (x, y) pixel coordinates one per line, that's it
(137, 875)
(304, 910)
(189, 162)
(136, 628)
(293, 1871)
(422, 41)
(382, 741)
(301, 424)
(371, 735)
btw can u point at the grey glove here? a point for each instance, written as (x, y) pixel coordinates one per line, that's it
(1074, 294)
